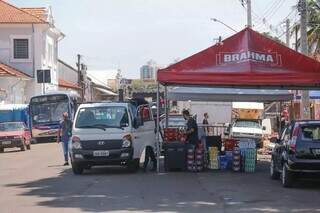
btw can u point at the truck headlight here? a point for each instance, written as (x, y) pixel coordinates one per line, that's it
(126, 141)
(76, 143)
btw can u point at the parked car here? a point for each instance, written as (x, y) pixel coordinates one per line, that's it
(14, 134)
(296, 152)
(111, 134)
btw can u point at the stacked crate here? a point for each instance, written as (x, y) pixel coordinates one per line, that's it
(223, 162)
(190, 159)
(213, 158)
(170, 134)
(236, 164)
(250, 160)
(199, 159)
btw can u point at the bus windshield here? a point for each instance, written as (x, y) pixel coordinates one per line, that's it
(48, 109)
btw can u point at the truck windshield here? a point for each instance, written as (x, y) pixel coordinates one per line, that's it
(311, 133)
(11, 126)
(248, 124)
(102, 117)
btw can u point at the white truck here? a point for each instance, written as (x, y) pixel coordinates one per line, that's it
(247, 122)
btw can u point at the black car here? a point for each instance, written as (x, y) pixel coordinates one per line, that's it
(297, 152)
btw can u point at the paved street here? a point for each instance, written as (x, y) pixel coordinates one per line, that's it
(34, 181)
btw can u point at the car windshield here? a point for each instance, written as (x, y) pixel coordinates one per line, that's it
(248, 124)
(48, 112)
(11, 126)
(102, 117)
(311, 133)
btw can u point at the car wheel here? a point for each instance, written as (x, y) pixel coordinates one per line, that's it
(77, 169)
(274, 173)
(134, 165)
(287, 177)
(1, 150)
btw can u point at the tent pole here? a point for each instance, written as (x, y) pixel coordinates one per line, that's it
(158, 129)
(166, 105)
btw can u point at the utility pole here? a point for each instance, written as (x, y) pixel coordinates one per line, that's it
(288, 33)
(79, 69)
(249, 15)
(305, 102)
(80, 80)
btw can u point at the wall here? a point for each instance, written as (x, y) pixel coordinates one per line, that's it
(15, 90)
(219, 112)
(67, 73)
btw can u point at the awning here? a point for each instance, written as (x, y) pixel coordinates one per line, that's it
(106, 92)
(248, 60)
(227, 94)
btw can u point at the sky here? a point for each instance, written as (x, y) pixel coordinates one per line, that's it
(125, 34)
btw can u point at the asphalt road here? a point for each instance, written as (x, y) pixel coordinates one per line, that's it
(34, 181)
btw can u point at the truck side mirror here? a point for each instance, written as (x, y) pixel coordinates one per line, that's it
(264, 128)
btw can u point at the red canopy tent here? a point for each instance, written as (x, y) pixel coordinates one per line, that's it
(246, 59)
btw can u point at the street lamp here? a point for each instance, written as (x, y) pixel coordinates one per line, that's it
(217, 20)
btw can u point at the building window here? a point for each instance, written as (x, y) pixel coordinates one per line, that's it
(20, 48)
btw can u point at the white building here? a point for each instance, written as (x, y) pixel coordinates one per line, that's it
(149, 71)
(28, 42)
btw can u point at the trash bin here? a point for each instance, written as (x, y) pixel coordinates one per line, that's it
(174, 156)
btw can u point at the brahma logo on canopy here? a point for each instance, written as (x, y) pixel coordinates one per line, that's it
(267, 58)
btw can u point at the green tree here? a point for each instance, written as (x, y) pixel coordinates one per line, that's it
(313, 27)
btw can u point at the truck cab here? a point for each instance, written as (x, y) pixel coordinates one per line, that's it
(114, 133)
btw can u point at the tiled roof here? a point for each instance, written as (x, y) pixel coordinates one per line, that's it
(68, 84)
(7, 71)
(39, 12)
(10, 14)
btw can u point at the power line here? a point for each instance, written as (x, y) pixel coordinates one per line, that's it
(268, 14)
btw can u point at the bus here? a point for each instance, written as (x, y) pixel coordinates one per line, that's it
(46, 113)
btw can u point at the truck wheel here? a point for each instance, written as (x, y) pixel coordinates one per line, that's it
(287, 177)
(134, 165)
(77, 169)
(23, 146)
(274, 174)
(1, 150)
(33, 141)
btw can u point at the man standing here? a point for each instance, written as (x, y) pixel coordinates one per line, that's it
(192, 128)
(65, 133)
(205, 123)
